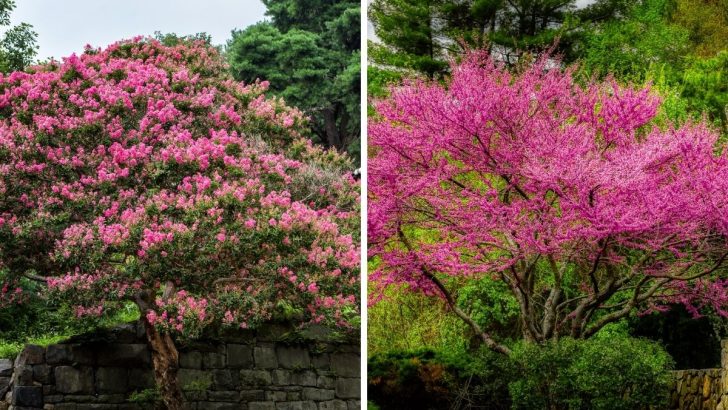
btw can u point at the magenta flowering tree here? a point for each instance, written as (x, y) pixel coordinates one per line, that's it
(566, 193)
(144, 173)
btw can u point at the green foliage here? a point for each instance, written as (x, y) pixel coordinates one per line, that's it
(145, 396)
(309, 52)
(429, 379)
(407, 321)
(642, 39)
(602, 373)
(18, 44)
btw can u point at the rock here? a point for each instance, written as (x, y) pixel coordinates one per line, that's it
(213, 360)
(247, 396)
(304, 378)
(111, 380)
(190, 360)
(293, 357)
(28, 396)
(254, 378)
(222, 380)
(345, 364)
(42, 373)
(240, 356)
(265, 357)
(6, 367)
(348, 388)
(72, 380)
(141, 379)
(30, 355)
(126, 355)
(333, 405)
(261, 405)
(310, 393)
(68, 354)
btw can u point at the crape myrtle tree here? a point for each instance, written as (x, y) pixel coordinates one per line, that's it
(145, 173)
(566, 193)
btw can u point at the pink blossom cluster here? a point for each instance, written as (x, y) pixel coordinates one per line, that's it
(483, 175)
(141, 165)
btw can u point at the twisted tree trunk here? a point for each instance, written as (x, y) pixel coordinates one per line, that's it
(165, 357)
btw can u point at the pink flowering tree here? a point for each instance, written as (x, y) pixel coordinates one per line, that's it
(144, 173)
(568, 194)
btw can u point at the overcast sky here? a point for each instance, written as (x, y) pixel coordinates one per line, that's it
(66, 26)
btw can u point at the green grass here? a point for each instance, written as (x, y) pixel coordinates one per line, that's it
(10, 348)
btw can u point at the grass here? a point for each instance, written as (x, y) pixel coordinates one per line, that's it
(11, 348)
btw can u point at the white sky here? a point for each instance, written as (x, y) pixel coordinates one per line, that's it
(66, 26)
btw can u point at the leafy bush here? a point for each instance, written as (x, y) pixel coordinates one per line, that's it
(609, 372)
(601, 373)
(427, 379)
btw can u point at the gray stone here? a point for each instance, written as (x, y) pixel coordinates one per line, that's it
(275, 396)
(254, 378)
(310, 393)
(52, 398)
(281, 377)
(27, 396)
(222, 380)
(6, 367)
(72, 380)
(4, 386)
(23, 375)
(141, 379)
(321, 361)
(213, 360)
(265, 357)
(296, 405)
(65, 406)
(348, 388)
(333, 405)
(239, 356)
(190, 360)
(345, 364)
(252, 395)
(68, 354)
(190, 379)
(126, 355)
(111, 398)
(261, 405)
(42, 373)
(354, 404)
(111, 380)
(325, 382)
(223, 395)
(303, 378)
(31, 354)
(293, 357)
(219, 406)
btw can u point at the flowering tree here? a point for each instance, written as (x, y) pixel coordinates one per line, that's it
(565, 193)
(144, 173)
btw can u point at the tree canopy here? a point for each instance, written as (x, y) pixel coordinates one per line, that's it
(18, 44)
(309, 51)
(145, 173)
(568, 194)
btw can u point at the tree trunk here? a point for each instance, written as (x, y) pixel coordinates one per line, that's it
(165, 358)
(333, 139)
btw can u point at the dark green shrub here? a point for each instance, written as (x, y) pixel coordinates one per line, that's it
(426, 379)
(616, 373)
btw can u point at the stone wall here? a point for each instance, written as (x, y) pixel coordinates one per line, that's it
(696, 389)
(270, 369)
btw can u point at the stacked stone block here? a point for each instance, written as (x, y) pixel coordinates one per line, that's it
(696, 389)
(248, 370)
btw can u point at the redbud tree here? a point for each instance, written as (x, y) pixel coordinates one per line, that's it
(569, 194)
(144, 173)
